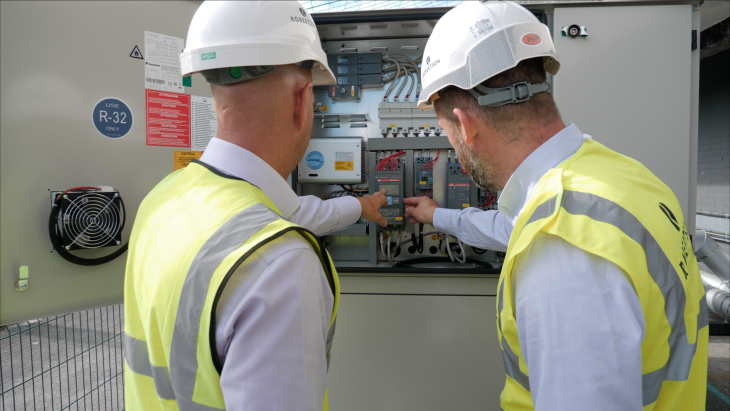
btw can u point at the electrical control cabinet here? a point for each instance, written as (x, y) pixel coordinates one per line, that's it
(393, 182)
(459, 187)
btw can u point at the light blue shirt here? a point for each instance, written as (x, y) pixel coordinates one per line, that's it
(274, 313)
(578, 317)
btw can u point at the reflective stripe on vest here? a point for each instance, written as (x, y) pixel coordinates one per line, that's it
(662, 272)
(183, 351)
(191, 234)
(590, 200)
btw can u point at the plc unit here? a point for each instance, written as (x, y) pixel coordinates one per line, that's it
(459, 187)
(391, 180)
(354, 71)
(332, 161)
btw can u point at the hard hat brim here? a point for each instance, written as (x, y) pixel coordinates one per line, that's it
(255, 54)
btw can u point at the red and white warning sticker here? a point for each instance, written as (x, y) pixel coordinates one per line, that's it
(168, 118)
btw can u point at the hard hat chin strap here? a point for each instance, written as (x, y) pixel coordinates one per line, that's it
(514, 93)
(233, 75)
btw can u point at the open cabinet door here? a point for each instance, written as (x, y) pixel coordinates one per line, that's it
(629, 83)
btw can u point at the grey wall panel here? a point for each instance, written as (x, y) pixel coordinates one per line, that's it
(629, 84)
(59, 60)
(415, 353)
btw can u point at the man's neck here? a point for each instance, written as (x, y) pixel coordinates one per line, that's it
(261, 146)
(517, 151)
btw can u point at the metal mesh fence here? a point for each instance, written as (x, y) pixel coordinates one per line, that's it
(68, 362)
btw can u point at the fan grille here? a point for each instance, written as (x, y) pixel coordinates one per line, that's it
(90, 220)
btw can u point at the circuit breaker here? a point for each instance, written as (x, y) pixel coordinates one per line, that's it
(393, 182)
(407, 119)
(458, 187)
(424, 176)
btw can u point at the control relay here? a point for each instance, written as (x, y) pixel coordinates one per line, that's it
(392, 181)
(424, 176)
(458, 187)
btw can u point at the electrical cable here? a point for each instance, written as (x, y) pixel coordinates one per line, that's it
(448, 249)
(392, 84)
(410, 88)
(388, 247)
(463, 252)
(382, 249)
(479, 251)
(413, 64)
(402, 84)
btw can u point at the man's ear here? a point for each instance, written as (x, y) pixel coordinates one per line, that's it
(302, 106)
(467, 125)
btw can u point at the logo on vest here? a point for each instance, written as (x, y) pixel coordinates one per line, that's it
(686, 241)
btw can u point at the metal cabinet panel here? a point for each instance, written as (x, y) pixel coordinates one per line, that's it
(59, 60)
(628, 84)
(420, 353)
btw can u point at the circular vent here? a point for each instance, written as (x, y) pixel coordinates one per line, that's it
(91, 220)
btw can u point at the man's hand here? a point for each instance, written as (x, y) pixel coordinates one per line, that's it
(423, 210)
(370, 206)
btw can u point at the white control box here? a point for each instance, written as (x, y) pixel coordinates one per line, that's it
(332, 161)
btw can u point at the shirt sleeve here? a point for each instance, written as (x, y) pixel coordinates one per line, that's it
(488, 229)
(581, 326)
(322, 217)
(271, 328)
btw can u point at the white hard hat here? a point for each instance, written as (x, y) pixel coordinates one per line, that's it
(478, 40)
(254, 34)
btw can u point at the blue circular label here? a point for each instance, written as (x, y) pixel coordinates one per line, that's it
(315, 160)
(112, 117)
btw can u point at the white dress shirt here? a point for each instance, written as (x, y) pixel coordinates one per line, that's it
(578, 316)
(274, 313)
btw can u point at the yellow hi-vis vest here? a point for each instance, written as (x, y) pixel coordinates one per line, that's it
(191, 233)
(612, 206)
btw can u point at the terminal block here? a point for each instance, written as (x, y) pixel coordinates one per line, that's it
(393, 182)
(488, 199)
(458, 187)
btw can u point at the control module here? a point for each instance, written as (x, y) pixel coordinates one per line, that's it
(458, 186)
(393, 182)
(424, 176)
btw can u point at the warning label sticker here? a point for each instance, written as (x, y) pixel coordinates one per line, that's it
(205, 122)
(162, 62)
(344, 160)
(168, 119)
(183, 158)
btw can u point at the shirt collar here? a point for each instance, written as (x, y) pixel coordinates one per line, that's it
(238, 162)
(551, 153)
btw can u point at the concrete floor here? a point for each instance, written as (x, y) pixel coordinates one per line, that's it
(83, 353)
